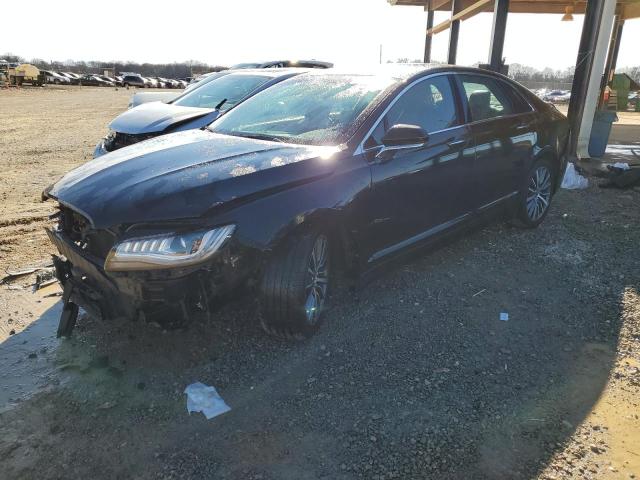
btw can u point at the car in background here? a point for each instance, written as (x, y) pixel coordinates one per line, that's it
(74, 78)
(150, 82)
(107, 78)
(320, 173)
(193, 109)
(139, 98)
(284, 64)
(95, 81)
(55, 78)
(133, 81)
(557, 96)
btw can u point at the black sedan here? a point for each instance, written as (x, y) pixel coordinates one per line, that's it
(325, 171)
(95, 81)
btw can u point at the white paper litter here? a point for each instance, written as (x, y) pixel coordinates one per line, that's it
(205, 399)
(621, 166)
(572, 180)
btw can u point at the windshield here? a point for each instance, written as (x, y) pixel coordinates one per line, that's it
(231, 88)
(307, 109)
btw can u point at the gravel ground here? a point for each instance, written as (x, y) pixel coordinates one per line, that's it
(412, 376)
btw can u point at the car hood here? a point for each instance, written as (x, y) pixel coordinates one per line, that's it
(184, 176)
(154, 117)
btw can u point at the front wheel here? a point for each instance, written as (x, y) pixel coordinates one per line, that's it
(295, 287)
(535, 197)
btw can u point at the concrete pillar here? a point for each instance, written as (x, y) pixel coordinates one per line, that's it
(428, 38)
(500, 12)
(605, 27)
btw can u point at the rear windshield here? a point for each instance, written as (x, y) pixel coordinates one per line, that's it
(230, 88)
(306, 109)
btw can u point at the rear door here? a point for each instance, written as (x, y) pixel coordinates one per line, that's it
(503, 125)
(418, 192)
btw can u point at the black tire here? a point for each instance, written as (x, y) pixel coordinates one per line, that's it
(292, 298)
(537, 188)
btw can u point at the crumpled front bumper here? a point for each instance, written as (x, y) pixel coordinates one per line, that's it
(160, 295)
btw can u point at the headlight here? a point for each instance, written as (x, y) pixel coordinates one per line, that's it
(167, 250)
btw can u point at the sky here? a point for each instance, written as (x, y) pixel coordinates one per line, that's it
(225, 32)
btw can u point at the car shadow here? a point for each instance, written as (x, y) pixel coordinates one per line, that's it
(414, 374)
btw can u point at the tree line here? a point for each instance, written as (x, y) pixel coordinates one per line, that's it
(167, 70)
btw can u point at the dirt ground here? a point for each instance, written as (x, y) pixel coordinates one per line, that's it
(413, 376)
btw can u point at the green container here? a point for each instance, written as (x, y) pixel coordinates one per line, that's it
(621, 83)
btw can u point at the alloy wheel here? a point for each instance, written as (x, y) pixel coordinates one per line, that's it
(538, 193)
(317, 279)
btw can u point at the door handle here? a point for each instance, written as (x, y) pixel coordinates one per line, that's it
(456, 143)
(523, 127)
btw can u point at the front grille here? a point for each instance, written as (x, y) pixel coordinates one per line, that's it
(120, 140)
(77, 228)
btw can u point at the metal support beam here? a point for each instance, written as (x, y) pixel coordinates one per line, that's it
(584, 62)
(500, 12)
(614, 47)
(427, 38)
(612, 57)
(454, 31)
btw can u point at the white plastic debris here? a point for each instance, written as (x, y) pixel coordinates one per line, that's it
(504, 316)
(572, 180)
(621, 166)
(205, 399)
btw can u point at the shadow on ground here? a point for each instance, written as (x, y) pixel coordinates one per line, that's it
(414, 376)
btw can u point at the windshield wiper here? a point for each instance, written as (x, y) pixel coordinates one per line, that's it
(219, 106)
(261, 136)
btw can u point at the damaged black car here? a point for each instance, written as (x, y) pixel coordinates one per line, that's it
(321, 173)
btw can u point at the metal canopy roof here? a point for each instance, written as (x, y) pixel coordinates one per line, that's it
(625, 8)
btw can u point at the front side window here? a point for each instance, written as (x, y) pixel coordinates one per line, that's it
(229, 88)
(307, 109)
(486, 98)
(429, 104)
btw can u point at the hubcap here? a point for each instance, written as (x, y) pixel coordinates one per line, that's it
(538, 193)
(317, 279)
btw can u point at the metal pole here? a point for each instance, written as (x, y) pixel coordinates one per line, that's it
(584, 62)
(427, 38)
(454, 31)
(500, 12)
(612, 58)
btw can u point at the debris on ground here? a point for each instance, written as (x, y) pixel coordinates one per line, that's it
(204, 398)
(504, 316)
(10, 276)
(572, 180)
(44, 279)
(620, 177)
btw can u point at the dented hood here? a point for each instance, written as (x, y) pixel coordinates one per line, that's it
(155, 117)
(185, 175)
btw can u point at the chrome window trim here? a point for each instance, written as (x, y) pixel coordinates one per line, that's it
(482, 74)
(360, 148)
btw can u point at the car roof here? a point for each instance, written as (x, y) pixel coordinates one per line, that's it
(402, 72)
(270, 72)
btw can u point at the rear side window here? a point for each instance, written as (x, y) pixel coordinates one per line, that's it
(520, 105)
(429, 104)
(486, 98)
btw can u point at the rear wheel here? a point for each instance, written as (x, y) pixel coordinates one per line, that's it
(295, 287)
(535, 198)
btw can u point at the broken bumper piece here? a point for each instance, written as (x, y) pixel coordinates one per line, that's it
(166, 296)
